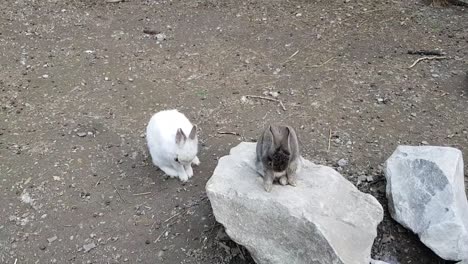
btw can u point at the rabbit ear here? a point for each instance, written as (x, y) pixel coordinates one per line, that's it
(286, 140)
(278, 135)
(180, 136)
(193, 132)
(272, 132)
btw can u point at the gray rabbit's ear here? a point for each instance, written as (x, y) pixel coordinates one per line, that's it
(275, 137)
(193, 132)
(286, 138)
(180, 136)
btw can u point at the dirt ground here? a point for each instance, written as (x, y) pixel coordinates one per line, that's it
(80, 79)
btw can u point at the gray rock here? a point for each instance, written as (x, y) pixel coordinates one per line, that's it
(426, 194)
(52, 239)
(342, 162)
(325, 219)
(89, 247)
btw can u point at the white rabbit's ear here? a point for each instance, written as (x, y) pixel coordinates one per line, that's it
(193, 132)
(180, 136)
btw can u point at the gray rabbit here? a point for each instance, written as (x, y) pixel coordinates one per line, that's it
(278, 156)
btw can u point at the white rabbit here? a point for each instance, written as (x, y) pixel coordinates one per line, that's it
(170, 147)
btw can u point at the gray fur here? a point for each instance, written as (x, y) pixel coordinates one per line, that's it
(278, 151)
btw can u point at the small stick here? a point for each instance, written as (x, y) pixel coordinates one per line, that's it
(228, 133)
(174, 216)
(425, 52)
(427, 58)
(16, 260)
(138, 194)
(164, 231)
(242, 253)
(150, 31)
(268, 99)
(320, 65)
(290, 57)
(329, 139)
(97, 183)
(120, 196)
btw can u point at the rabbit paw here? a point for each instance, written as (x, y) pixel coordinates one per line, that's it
(268, 186)
(189, 171)
(283, 180)
(183, 177)
(292, 181)
(196, 161)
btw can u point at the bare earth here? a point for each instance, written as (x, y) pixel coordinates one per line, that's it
(79, 81)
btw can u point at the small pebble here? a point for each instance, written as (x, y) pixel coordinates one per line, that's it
(342, 162)
(89, 247)
(52, 239)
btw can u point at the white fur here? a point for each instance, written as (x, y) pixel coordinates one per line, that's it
(161, 138)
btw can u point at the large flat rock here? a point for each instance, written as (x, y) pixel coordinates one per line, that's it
(426, 194)
(325, 219)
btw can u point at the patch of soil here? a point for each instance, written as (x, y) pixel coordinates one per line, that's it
(80, 80)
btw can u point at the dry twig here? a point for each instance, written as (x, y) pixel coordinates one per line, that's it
(139, 194)
(164, 231)
(120, 196)
(228, 133)
(290, 57)
(329, 139)
(427, 58)
(426, 52)
(179, 213)
(268, 99)
(320, 65)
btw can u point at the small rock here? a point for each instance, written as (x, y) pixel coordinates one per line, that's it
(424, 142)
(161, 36)
(52, 239)
(42, 247)
(342, 162)
(81, 134)
(273, 94)
(147, 242)
(89, 247)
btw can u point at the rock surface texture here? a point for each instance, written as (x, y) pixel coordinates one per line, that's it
(426, 193)
(325, 219)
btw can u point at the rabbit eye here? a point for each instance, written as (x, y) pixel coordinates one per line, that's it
(176, 159)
